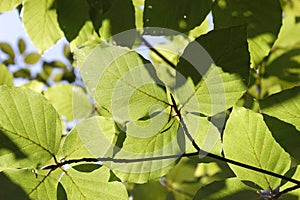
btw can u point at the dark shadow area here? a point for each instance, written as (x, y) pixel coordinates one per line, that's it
(286, 134)
(285, 67)
(10, 190)
(8, 144)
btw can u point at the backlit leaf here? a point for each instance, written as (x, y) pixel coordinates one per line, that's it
(40, 21)
(284, 106)
(248, 140)
(6, 78)
(92, 185)
(30, 128)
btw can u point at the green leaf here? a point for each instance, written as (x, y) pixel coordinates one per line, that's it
(295, 194)
(216, 88)
(149, 191)
(40, 21)
(121, 83)
(69, 101)
(23, 73)
(28, 185)
(32, 58)
(6, 78)
(248, 140)
(284, 106)
(118, 23)
(178, 15)
(93, 137)
(72, 15)
(9, 5)
(263, 27)
(6, 48)
(30, 128)
(21, 46)
(286, 134)
(167, 141)
(93, 185)
(35, 85)
(228, 189)
(87, 37)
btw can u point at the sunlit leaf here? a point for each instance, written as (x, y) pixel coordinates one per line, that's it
(216, 88)
(94, 137)
(69, 101)
(263, 27)
(9, 5)
(284, 106)
(116, 75)
(30, 128)
(92, 185)
(40, 21)
(35, 85)
(6, 78)
(248, 140)
(138, 145)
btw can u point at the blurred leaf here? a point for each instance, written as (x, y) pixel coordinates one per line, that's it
(9, 5)
(58, 77)
(149, 191)
(69, 76)
(69, 101)
(93, 185)
(290, 7)
(284, 106)
(23, 73)
(139, 12)
(42, 26)
(35, 85)
(55, 64)
(262, 27)
(6, 48)
(6, 78)
(32, 58)
(67, 53)
(21, 46)
(178, 15)
(72, 15)
(248, 140)
(27, 115)
(288, 35)
(228, 189)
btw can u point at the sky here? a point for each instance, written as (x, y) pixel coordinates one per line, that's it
(11, 29)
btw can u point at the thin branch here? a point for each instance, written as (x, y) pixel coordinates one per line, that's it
(287, 190)
(158, 53)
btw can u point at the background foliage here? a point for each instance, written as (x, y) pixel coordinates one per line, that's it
(255, 46)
